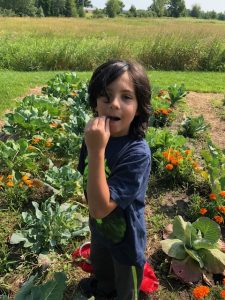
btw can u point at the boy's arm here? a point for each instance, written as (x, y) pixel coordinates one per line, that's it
(97, 134)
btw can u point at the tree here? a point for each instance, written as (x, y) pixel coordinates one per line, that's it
(132, 11)
(40, 12)
(176, 8)
(58, 7)
(46, 6)
(87, 3)
(158, 7)
(113, 8)
(70, 9)
(196, 11)
(25, 7)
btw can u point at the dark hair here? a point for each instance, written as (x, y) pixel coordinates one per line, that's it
(111, 70)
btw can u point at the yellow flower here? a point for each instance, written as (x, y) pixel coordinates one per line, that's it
(10, 184)
(10, 176)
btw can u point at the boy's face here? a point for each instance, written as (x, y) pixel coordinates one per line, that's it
(121, 107)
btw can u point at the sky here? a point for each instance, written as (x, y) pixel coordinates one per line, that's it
(206, 5)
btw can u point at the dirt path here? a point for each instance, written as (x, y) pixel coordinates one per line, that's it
(201, 103)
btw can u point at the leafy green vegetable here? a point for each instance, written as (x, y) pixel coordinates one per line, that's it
(51, 290)
(51, 226)
(194, 242)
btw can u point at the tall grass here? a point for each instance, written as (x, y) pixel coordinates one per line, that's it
(163, 44)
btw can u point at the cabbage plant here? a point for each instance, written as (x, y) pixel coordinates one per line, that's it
(194, 248)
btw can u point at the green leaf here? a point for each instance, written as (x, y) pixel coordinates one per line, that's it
(16, 238)
(37, 211)
(53, 290)
(180, 228)
(26, 289)
(214, 260)
(203, 243)
(174, 248)
(194, 254)
(210, 230)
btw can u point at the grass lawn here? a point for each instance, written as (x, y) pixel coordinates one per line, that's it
(14, 84)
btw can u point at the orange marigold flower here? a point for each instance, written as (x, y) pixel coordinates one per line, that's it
(53, 124)
(212, 196)
(218, 219)
(203, 211)
(200, 291)
(10, 176)
(164, 111)
(48, 143)
(10, 184)
(162, 92)
(187, 151)
(28, 182)
(222, 294)
(36, 140)
(222, 194)
(221, 209)
(165, 154)
(30, 147)
(169, 166)
(174, 162)
(74, 94)
(25, 177)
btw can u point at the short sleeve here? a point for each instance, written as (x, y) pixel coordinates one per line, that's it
(128, 181)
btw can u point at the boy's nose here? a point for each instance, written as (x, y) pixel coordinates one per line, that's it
(114, 102)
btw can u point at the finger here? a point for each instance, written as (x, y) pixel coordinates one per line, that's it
(91, 124)
(101, 121)
(107, 127)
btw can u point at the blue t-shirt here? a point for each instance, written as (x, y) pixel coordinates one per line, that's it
(127, 169)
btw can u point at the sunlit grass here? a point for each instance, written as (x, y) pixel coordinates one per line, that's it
(28, 44)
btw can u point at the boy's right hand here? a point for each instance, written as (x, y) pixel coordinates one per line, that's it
(97, 134)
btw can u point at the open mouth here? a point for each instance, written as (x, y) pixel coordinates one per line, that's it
(113, 118)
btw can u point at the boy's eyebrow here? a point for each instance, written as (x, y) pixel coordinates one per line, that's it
(123, 91)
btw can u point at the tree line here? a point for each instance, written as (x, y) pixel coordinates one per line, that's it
(113, 8)
(44, 8)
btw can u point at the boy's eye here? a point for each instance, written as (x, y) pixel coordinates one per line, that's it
(127, 97)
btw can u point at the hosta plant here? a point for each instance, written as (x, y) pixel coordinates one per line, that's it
(192, 126)
(194, 248)
(50, 226)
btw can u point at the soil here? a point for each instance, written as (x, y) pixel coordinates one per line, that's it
(201, 103)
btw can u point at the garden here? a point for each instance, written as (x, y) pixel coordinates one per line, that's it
(45, 218)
